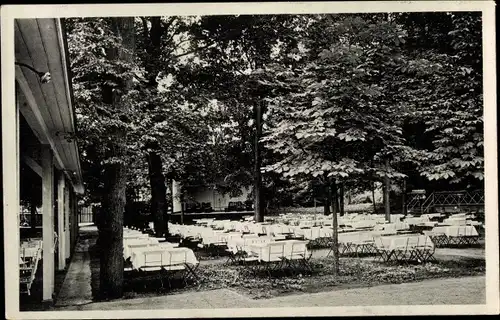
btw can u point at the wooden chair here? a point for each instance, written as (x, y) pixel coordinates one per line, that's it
(271, 257)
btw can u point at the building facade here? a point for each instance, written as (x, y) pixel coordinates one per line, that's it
(47, 166)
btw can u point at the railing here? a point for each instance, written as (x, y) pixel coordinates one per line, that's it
(447, 198)
(428, 203)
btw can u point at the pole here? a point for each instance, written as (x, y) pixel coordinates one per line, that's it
(386, 192)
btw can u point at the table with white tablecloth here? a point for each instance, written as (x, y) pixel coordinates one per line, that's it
(135, 235)
(416, 220)
(291, 255)
(454, 235)
(154, 258)
(128, 243)
(409, 247)
(455, 231)
(398, 241)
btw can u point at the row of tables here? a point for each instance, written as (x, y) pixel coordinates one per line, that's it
(257, 250)
(147, 253)
(386, 236)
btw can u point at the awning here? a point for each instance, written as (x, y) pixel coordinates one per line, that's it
(48, 107)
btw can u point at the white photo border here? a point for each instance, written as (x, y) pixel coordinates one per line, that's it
(10, 186)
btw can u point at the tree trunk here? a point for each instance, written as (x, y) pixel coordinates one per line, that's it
(115, 179)
(158, 193)
(327, 200)
(387, 189)
(183, 205)
(111, 232)
(258, 203)
(373, 198)
(341, 200)
(335, 235)
(403, 195)
(155, 165)
(129, 203)
(335, 198)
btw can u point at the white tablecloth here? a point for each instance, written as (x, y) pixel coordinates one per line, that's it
(455, 221)
(355, 237)
(455, 231)
(416, 220)
(274, 250)
(311, 233)
(135, 236)
(244, 243)
(127, 243)
(361, 224)
(165, 256)
(404, 241)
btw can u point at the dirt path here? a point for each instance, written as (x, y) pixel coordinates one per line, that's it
(468, 290)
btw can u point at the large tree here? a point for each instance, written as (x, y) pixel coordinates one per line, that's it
(102, 63)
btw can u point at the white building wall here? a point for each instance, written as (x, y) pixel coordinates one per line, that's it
(218, 201)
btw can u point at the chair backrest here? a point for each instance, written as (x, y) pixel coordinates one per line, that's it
(379, 243)
(296, 250)
(315, 232)
(414, 241)
(153, 259)
(177, 257)
(401, 243)
(276, 250)
(222, 237)
(464, 231)
(262, 240)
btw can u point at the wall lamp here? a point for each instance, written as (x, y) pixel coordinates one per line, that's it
(44, 76)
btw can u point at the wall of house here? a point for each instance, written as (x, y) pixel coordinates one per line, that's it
(218, 201)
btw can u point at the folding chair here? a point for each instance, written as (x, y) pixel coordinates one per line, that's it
(297, 257)
(439, 239)
(152, 266)
(28, 265)
(246, 257)
(402, 251)
(271, 257)
(233, 253)
(178, 260)
(425, 251)
(383, 251)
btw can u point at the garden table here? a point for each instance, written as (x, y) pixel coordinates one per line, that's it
(135, 236)
(416, 220)
(405, 247)
(127, 243)
(169, 260)
(455, 231)
(278, 254)
(457, 235)
(312, 233)
(361, 224)
(350, 241)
